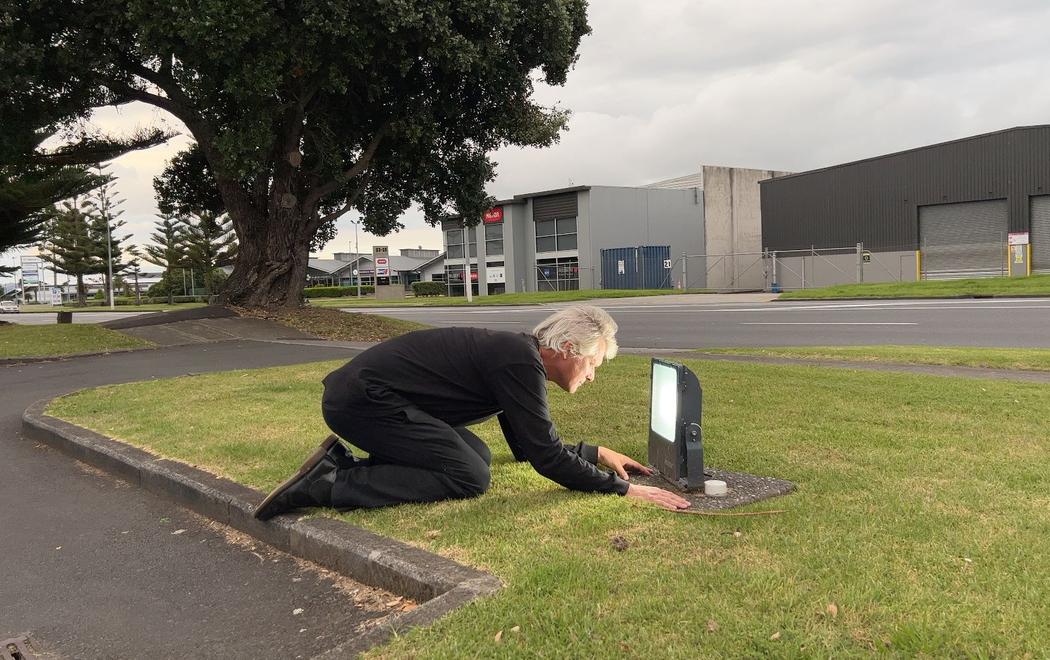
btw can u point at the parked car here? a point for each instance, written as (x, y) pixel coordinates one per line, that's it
(7, 306)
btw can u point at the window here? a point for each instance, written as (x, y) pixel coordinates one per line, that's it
(556, 235)
(494, 239)
(454, 244)
(562, 274)
(454, 279)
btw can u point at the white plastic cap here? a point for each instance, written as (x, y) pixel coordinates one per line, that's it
(715, 488)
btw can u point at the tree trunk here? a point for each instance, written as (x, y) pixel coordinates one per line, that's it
(270, 271)
(81, 294)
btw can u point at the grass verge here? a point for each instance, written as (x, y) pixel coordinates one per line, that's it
(1032, 359)
(1036, 285)
(919, 526)
(18, 341)
(536, 298)
(130, 309)
(336, 325)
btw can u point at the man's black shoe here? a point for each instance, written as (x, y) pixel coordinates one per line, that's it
(341, 454)
(311, 485)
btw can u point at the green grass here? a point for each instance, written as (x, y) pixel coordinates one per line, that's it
(1036, 285)
(56, 340)
(536, 298)
(922, 513)
(1034, 359)
(133, 309)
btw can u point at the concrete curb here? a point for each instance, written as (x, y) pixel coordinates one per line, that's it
(438, 584)
(36, 359)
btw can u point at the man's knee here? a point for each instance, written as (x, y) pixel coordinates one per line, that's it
(475, 482)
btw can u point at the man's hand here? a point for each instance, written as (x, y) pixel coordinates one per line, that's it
(619, 463)
(658, 496)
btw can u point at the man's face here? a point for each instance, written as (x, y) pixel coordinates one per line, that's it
(579, 369)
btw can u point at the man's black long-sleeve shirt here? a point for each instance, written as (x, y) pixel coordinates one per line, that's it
(462, 376)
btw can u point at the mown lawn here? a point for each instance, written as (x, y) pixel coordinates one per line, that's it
(919, 526)
(1036, 285)
(93, 307)
(534, 298)
(1033, 359)
(57, 340)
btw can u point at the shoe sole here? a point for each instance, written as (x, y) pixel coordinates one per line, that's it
(309, 464)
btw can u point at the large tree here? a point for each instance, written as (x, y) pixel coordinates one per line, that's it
(305, 110)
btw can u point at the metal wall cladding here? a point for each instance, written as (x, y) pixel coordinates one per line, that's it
(1040, 234)
(565, 205)
(639, 267)
(876, 201)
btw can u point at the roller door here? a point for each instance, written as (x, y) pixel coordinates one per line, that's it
(1039, 234)
(963, 240)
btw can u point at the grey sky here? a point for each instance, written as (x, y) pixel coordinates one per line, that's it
(663, 87)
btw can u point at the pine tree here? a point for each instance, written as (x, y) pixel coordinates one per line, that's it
(69, 247)
(210, 243)
(167, 250)
(103, 225)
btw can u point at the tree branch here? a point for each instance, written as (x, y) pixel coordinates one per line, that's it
(345, 208)
(322, 191)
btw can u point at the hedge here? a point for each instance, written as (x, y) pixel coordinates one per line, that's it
(335, 291)
(428, 288)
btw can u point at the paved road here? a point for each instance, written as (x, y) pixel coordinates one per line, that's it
(48, 318)
(686, 323)
(94, 568)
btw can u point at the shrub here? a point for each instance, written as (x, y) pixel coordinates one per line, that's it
(335, 291)
(428, 288)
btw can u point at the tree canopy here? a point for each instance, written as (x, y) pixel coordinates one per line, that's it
(305, 110)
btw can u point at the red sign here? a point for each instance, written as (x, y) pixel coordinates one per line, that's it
(474, 276)
(493, 215)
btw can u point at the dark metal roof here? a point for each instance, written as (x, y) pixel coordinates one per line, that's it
(906, 151)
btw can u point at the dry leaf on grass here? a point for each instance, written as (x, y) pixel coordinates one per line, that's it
(515, 629)
(712, 625)
(775, 636)
(499, 637)
(833, 610)
(432, 533)
(620, 543)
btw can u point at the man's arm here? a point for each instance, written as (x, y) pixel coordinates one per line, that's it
(521, 391)
(589, 453)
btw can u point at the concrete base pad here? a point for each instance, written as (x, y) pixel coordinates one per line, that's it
(743, 489)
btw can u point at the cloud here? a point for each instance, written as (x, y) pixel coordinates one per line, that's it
(663, 87)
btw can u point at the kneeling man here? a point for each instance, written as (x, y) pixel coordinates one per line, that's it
(408, 403)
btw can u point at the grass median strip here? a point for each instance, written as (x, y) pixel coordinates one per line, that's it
(1035, 285)
(1034, 359)
(533, 298)
(919, 525)
(17, 341)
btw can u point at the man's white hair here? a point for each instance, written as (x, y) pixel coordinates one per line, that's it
(583, 326)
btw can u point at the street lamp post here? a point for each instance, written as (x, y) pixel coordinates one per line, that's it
(357, 259)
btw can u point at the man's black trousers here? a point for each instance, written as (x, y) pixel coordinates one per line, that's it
(413, 457)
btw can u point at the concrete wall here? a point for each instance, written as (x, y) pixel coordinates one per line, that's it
(629, 217)
(831, 269)
(514, 222)
(733, 225)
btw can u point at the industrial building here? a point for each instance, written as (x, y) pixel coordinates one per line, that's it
(593, 237)
(977, 206)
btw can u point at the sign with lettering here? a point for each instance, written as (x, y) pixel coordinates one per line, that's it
(382, 266)
(493, 215)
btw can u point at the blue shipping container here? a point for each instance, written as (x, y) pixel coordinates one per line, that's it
(642, 267)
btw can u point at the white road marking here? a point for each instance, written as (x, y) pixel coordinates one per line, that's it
(824, 323)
